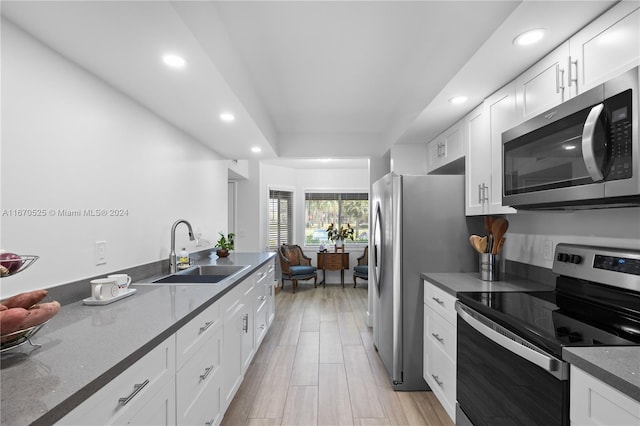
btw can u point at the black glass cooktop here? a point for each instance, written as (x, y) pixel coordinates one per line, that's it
(552, 320)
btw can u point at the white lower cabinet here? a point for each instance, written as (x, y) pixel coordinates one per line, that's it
(144, 394)
(199, 377)
(439, 350)
(594, 402)
(192, 377)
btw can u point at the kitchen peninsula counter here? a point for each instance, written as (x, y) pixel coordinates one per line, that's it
(85, 347)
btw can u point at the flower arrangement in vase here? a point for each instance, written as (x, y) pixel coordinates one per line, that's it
(338, 235)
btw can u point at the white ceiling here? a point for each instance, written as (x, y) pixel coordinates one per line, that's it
(305, 79)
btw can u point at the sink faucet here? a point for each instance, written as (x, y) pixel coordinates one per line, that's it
(172, 256)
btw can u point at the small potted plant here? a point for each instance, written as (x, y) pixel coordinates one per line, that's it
(339, 235)
(224, 244)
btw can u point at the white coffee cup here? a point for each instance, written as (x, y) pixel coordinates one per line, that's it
(104, 288)
(123, 281)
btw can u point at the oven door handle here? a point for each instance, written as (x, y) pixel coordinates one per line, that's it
(512, 342)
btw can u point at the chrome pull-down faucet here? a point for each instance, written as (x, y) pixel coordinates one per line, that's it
(172, 256)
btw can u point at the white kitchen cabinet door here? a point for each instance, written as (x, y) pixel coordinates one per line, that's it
(607, 47)
(247, 348)
(159, 411)
(593, 402)
(199, 384)
(143, 394)
(439, 346)
(501, 109)
(543, 86)
(446, 151)
(478, 161)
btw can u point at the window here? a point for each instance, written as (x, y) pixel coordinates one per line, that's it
(324, 208)
(280, 218)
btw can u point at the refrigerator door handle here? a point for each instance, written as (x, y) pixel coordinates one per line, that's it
(377, 245)
(396, 254)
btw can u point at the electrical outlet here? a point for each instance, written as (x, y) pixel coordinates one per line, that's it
(100, 252)
(548, 250)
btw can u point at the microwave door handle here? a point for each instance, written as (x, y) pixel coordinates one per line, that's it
(588, 153)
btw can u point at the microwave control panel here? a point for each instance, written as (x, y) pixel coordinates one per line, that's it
(620, 134)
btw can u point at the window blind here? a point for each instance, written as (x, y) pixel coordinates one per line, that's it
(280, 218)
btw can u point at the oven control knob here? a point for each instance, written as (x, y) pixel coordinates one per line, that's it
(575, 259)
(563, 257)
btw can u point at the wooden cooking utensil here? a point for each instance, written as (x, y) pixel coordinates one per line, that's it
(475, 242)
(484, 245)
(498, 248)
(498, 229)
(488, 221)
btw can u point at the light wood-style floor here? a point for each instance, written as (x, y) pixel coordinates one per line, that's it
(317, 366)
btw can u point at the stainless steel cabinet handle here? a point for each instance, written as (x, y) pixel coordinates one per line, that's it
(206, 373)
(261, 298)
(570, 78)
(205, 326)
(136, 388)
(262, 326)
(245, 323)
(588, 154)
(209, 423)
(437, 337)
(559, 79)
(437, 379)
(438, 301)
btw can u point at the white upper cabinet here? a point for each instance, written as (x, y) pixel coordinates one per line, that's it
(501, 110)
(543, 86)
(478, 150)
(445, 154)
(607, 47)
(483, 129)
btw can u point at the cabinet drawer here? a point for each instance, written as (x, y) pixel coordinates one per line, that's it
(441, 377)
(333, 262)
(441, 333)
(127, 394)
(193, 334)
(200, 379)
(440, 301)
(261, 322)
(593, 402)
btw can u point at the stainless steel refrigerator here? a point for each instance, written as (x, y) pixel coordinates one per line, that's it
(419, 226)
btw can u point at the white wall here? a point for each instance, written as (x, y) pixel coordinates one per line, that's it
(529, 231)
(70, 141)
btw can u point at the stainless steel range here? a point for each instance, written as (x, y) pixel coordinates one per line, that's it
(510, 367)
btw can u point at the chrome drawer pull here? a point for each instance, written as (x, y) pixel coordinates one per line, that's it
(209, 423)
(245, 323)
(438, 301)
(437, 337)
(207, 371)
(206, 326)
(262, 326)
(437, 379)
(261, 298)
(136, 388)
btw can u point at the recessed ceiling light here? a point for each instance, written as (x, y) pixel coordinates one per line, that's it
(458, 100)
(256, 149)
(227, 117)
(174, 61)
(529, 37)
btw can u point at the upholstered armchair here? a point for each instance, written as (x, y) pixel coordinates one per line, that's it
(361, 270)
(295, 265)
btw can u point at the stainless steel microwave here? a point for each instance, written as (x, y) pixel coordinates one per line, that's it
(581, 154)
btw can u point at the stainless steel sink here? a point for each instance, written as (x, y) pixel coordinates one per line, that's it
(203, 274)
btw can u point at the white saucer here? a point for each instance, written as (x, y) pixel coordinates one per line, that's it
(92, 301)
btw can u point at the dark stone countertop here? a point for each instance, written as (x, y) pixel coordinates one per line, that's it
(84, 347)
